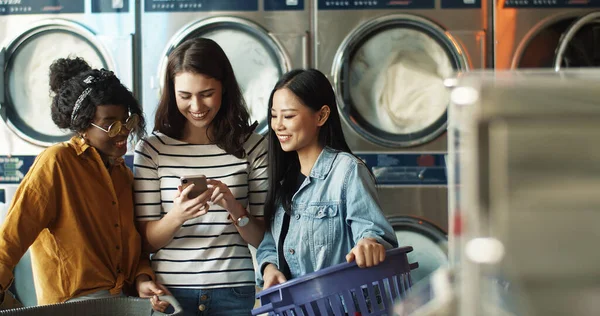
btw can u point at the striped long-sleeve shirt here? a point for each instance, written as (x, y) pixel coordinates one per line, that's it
(208, 251)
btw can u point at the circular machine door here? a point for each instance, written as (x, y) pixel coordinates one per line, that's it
(27, 98)
(429, 242)
(389, 74)
(257, 58)
(567, 43)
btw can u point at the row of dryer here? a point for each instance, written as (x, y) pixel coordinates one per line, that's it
(386, 59)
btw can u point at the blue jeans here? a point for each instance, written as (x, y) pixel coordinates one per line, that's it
(228, 301)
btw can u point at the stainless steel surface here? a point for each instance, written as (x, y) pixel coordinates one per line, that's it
(515, 29)
(105, 36)
(286, 30)
(529, 175)
(339, 33)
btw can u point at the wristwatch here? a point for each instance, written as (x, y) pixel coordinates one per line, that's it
(241, 221)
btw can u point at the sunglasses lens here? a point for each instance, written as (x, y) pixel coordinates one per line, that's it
(114, 129)
(132, 122)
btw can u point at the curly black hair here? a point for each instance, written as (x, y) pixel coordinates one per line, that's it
(68, 81)
(231, 124)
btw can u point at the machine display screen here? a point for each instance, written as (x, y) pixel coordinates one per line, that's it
(461, 4)
(551, 4)
(375, 4)
(199, 5)
(10, 7)
(284, 5)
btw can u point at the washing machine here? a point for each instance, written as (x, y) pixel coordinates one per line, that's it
(34, 33)
(547, 34)
(262, 39)
(387, 61)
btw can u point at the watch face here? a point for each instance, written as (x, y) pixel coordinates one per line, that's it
(243, 221)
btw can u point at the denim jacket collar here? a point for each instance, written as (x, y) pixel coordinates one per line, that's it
(324, 163)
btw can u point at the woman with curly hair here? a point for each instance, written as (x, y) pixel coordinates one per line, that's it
(75, 205)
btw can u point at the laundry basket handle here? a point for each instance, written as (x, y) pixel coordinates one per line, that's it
(568, 36)
(270, 306)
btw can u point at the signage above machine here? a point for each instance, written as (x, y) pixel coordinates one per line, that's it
(199, 5)
(552, 4)
(375, 4)
(284, 5)
(406, 169)
(10, 7)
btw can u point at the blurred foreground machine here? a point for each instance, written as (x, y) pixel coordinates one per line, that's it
(524, 173)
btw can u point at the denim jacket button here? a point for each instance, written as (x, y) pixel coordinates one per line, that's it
(297, 216)
(292, 251)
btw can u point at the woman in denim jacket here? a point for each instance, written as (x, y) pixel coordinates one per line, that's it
(322, 207)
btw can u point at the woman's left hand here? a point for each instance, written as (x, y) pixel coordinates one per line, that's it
(367, 253)
(148, 288)
(221, 196)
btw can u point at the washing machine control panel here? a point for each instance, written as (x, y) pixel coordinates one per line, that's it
(10, 7)
(14, 168)
(199, 5)
(397, 169)
(551, 4)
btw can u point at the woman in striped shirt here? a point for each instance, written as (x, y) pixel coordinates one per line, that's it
(200, 245)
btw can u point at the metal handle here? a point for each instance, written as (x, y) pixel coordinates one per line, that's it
(305, 50)
(568, 36)
(2, 74)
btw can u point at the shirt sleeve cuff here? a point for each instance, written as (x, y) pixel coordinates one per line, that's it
(6, 277)
(378, 238)
(145, 270)
(259, 277)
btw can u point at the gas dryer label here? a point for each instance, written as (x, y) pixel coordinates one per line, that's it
(552, 4)
(392, 169)
(199, 5)
(375, 4)
(284, 5)
(10, 7)
(461, 4)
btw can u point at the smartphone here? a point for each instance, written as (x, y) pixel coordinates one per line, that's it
(199, 182)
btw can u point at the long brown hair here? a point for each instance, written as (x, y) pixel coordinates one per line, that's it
(203, 56)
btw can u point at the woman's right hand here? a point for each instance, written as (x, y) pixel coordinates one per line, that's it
(272, 276)
(185, 209)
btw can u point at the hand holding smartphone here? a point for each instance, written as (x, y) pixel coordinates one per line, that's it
(199, 182)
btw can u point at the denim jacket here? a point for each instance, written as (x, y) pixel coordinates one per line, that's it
(334, 208)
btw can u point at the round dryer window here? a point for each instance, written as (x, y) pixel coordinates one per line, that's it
(28, 99)
(257, 58)
(389, 75)
(566, 43)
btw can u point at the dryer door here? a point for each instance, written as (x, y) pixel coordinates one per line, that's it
(26, 100)
(580, 44)
(256, 56)
(389, 74)
(572, 42)
(429, 242)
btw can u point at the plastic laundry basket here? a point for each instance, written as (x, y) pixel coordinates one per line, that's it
(118, 306)
(342, 289)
